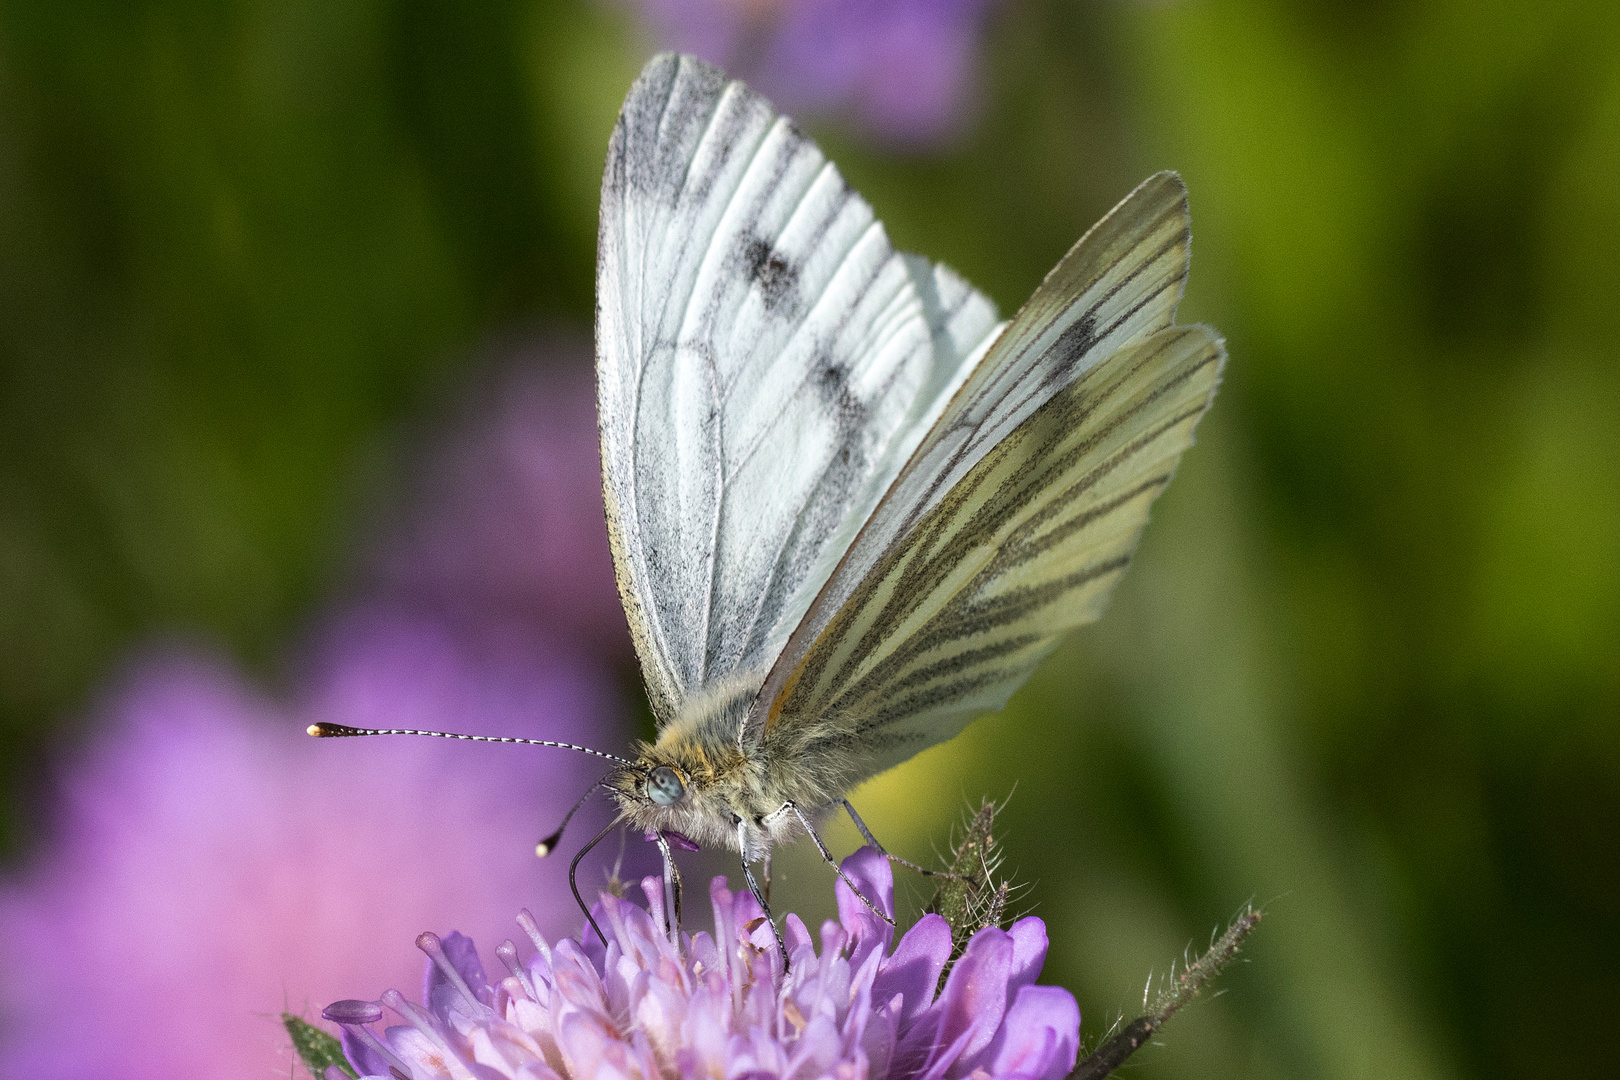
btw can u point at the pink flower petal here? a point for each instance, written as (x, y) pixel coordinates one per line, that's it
(1040, 1037)
(914, 969)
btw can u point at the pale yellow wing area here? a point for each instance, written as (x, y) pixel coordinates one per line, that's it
(1119, 283)
(1029, 544)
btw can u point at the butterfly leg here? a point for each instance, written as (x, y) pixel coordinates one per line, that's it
(872, 840)
(573, 875)
(793, 808)
(672, 892)
(753, 887)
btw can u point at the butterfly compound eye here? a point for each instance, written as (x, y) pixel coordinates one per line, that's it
(664, 787)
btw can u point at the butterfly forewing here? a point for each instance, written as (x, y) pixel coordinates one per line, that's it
(766, 363)
(1026, 546)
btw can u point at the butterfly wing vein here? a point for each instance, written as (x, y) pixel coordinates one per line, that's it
(1024, 548)
(764, 360)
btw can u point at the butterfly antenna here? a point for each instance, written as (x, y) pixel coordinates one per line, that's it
(343, 731)
(549, 844)
(573, 871)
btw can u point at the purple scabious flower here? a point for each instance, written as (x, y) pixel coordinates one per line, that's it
(208, 864)
(903, 69)
(720, 1006)
(205, 864)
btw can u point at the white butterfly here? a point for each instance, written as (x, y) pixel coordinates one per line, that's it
(850, 510)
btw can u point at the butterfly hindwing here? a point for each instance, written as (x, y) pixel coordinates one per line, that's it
(766, 363)
(1118, 284)
(1027, 546)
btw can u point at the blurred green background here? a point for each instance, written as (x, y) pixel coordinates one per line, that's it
(1367, 668)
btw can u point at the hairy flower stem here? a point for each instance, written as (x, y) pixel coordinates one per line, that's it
(969, 898)
(1173, 995)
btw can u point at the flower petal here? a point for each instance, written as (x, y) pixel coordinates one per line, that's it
(1040, 1037)
(970, 1009)
(796, 936)
(913, 970)
(439, 990)
(870, 872)
(1029, 951)
(365, 1059)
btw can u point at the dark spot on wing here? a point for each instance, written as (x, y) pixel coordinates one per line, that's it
(830, 382)
(775, 276)
(1075, 341)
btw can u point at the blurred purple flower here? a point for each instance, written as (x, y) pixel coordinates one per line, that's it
(904, 69)
(507, 516)
(207, 864)
(721, 1007)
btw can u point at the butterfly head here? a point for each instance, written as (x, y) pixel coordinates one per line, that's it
(679, 785)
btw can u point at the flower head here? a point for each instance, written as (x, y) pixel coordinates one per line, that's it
(721, 1006)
